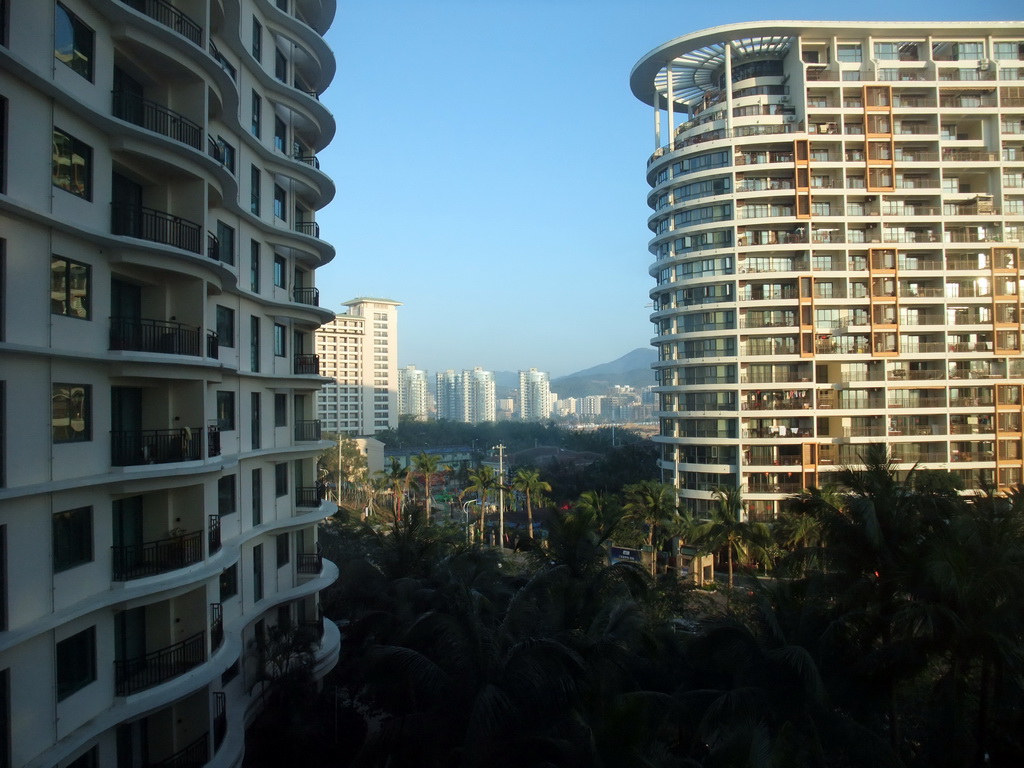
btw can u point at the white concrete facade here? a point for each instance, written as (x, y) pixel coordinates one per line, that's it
(838, 211)
(159, 503)
(413, 393)
(359, 353)
(535, 397)
(467, 396)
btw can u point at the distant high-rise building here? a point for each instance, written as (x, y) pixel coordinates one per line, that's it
(534, 395)
(358, 350)
(413, 393)
(467, 396)
(837, 219)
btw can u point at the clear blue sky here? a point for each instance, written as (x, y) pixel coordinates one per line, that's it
(490, 167)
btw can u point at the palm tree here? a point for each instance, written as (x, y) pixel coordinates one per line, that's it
(653, 504)
(725, 529)
(427, 465)
(528, 482)
(482, 481)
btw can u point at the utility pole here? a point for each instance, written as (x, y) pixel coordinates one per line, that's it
(501, 495)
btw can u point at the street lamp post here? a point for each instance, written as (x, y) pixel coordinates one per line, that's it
(465, 514)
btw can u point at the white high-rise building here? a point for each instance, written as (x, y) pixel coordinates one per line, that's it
(413, 393)
(159, 503)
(534, 395)
(838, 211)
(358, 351)
(467, 396)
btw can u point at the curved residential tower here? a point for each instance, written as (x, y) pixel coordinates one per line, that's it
(837, 217)
(159, 499)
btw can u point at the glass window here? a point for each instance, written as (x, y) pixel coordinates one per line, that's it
(69, 287)
(226, 239)
(280, 134)
(280, 203)
(887, 51)
(76, 662)
(225, 410)
(257, 573)
(72, 538)
(967, 51)
(227, 502)
(225, 326)
(849, 53)
(280, 270)
(257, 496)
(280, 410)
(254, 343)
(72, 165)
(282, 550)
(1007, 50)
(73, 42)
(71, 413)
(280, 334)
(281, 479)
(254, 266)
(257, 40)
(255, 415)
(257, 114)
(228, 156)
(254, 190)
(229, 582)
(280, 66)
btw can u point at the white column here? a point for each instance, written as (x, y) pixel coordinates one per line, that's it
(670, 95)
(657, 122)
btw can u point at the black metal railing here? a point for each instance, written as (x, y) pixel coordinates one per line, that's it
(157, 118)
(310, 228)
(213, 441)
(155, 446)
(170, 17)
(145, 335)
(220, 718)
(307, 497)
(136, 561)
(310, 296)
(307, 364)
(226, 65)
(213, 534)
(212, 345)
(142, 672)
(216, 625)
(316, 627)
(138, 221)
(311, 160)
(310, 563)
(307, 430)
(212, 246)
(195, 755)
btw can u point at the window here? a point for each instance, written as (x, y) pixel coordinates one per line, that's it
(280, 334)
(849, 53)
(254, 266)
(257, 114)
(254, 419)
(229, 582)
(887, 51)
(69, 287)
(254, 190)
(280, 203)
(281, 479)
(257, 573)
(225, 410)
(280, 66)
(71, 413)
(280, 410)
(254, 343)
(257, 40)
(227, 154)
(76, 662)
(280, 270)
(72, 165)
(257, 496)
(282, 550)
(72, 538)
(73, 42)
(1007, 50)
(227, 502)
(226, 239)
(3, 132)
(225, 326)
(280, 134)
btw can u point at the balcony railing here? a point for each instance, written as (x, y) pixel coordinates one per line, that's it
(308, 497)
(310, 563)
(213, 534)
(155, 446)
(137, 561)
(170, 17)
(143, 672)
(213, 440)
(220, 719)
(145, 335)
(310, 296)
(216, 625)
(307, 365)
(310, 160)
(212, 345)
(226, 65)
(157, 118)
(195, 755)
(144, 223)
(310, 228)
(307, 430)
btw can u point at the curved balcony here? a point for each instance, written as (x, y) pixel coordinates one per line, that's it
(137, 561)
(306, 365)
(170, 17)
(130, 220)
(308, 430)
(147, 335)
(307, 296)
(157, 118)
(156, 667)
(156, 446)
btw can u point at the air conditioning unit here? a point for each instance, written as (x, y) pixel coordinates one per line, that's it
(790, 118)
(984, 64)
(784, 100)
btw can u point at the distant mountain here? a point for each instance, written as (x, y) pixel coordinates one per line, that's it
(632, 369)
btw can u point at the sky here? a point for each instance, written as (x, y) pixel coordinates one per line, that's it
(490, 167)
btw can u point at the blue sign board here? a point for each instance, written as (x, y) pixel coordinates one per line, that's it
(624, 555)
